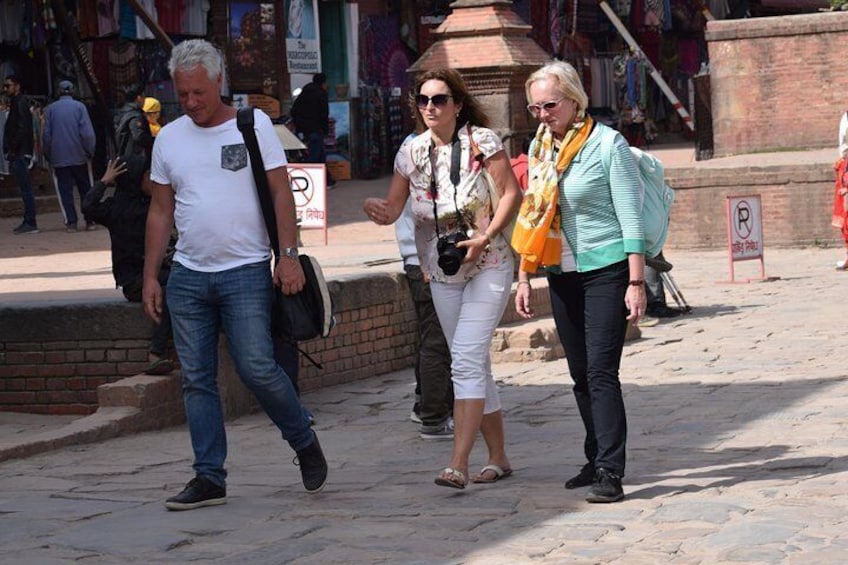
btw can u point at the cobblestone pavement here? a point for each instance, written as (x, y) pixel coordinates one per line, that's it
(738, 453)
(738, 445)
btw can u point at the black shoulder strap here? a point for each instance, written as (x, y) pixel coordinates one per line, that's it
(244, 121)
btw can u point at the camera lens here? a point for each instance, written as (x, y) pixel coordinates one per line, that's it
(449, 264)
(451, 256)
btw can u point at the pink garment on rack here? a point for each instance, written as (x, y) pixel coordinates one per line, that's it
(690, 56)
(108, 13)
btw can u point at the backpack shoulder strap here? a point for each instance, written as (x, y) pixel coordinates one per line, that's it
(246, 124)
(607, 137)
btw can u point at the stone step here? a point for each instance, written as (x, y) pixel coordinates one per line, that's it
(534, 340)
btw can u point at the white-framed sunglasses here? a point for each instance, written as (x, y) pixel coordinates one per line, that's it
(536, 109)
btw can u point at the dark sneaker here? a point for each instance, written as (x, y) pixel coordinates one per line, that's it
(584, 478)
(443, 431)
(415, 416)
(663, 311)
(199, 492)
(313, 466)
(25, 228)
(607, 487)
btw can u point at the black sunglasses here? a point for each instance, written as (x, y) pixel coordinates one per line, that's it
(438, 100)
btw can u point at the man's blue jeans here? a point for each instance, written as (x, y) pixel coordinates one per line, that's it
(19, 166)
(239, 302)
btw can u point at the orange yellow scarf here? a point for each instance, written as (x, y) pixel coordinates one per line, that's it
(537, 236)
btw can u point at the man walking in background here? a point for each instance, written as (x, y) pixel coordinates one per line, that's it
(433, 387)
(69, 144)
(18, 143)
(311, 115)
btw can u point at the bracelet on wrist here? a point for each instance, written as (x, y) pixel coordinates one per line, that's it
(636, 283)
(525, 282)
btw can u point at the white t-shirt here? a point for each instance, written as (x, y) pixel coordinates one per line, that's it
(218, 215)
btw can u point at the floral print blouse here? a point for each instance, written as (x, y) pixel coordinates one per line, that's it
(468, 200)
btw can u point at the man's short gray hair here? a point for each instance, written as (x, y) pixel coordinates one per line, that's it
(189, 54)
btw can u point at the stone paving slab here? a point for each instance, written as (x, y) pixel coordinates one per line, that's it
(738, 453)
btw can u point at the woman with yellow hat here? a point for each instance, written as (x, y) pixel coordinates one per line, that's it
(152, 109)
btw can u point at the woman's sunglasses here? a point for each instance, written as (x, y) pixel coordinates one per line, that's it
(536, 109)
(438, 100)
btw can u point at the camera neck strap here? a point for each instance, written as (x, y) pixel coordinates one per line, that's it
(456, 155)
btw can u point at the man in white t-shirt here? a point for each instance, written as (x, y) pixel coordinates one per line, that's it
(221, 277)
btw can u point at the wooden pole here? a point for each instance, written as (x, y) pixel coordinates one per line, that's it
(153, 25)
(687, 119)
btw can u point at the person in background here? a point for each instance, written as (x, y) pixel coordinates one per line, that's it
(152, 111)
(596, 279)
(433, 389)
(69, 144)
(4, 113)
(459, 241)
(125, 214)
(519, 164)
(132, 131)
(839, 217)
(18, 145)
(311, 115)
(655, 289)
(221, 279)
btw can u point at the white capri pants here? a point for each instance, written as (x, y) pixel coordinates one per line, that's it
(469, 312)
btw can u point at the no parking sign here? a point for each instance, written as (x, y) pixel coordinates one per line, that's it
(745, 230)
(308, 183)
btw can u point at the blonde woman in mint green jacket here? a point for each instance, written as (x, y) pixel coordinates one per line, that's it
(598, 287)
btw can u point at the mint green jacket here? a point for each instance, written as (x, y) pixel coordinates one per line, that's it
(601, 217)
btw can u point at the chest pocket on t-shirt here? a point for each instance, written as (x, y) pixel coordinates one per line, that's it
(233, 157)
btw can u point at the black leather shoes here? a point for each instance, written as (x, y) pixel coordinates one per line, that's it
(607, 487)
(584, 478)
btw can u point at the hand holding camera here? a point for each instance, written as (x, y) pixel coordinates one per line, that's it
(451, 256)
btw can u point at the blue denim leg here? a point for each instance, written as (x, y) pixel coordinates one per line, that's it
(65, 186)
(194, 315)
(245, 308)
(315, 147)
(18, 165)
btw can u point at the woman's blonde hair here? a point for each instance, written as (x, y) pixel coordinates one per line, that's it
(566, 81)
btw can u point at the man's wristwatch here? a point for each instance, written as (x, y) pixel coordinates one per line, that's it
(289, 252)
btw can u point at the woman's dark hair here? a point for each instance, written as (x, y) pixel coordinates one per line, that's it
(471, 111)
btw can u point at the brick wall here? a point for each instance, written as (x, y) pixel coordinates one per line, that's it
(776, 82)
(796, 204)
(54, 356)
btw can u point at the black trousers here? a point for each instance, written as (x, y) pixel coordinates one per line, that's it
(590, 318)
(433, 359)
(162, 333)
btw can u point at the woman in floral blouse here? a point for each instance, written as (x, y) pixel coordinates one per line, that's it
(442, 170)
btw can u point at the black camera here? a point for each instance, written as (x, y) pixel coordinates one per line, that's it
(451, 256)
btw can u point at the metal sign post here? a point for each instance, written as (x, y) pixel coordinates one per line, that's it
(745, 233)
